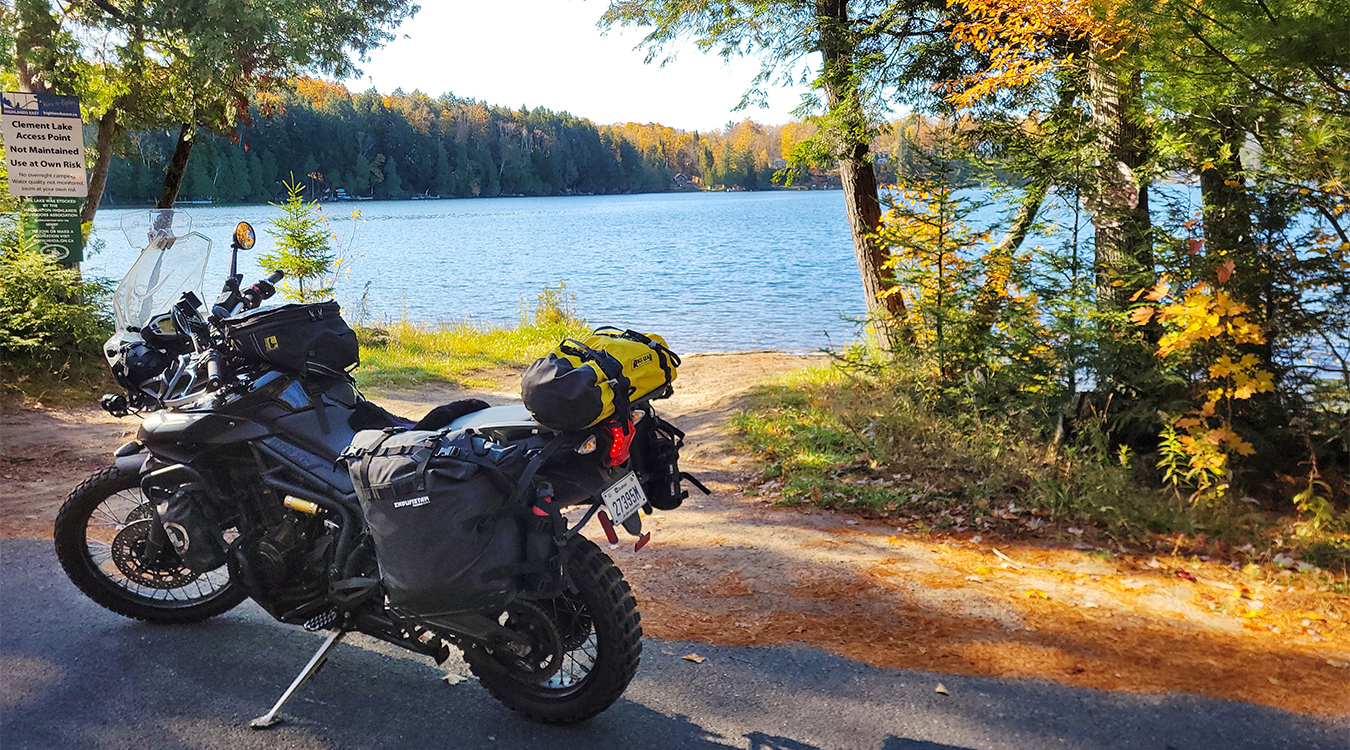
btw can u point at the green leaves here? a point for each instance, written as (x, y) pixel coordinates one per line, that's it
(303, 251)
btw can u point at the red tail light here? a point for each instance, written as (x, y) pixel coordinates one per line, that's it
(620, 439)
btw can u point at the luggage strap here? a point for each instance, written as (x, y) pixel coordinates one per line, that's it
(664, 356)
(608, 365)
(512, 506)
(364, 471)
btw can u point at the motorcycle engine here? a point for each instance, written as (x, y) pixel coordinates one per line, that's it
(276, 555)
(283, 568)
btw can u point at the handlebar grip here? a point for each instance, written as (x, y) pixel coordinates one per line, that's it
(213, 370)
(275, 276)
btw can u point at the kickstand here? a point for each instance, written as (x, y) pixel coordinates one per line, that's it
(271, 719)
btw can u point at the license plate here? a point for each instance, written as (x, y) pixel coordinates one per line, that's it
(624, 497)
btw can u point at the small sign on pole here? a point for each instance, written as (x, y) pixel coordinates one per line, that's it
(44, 157)
(57, 228)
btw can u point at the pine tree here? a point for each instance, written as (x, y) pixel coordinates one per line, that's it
(303, 250)
(392, 186)
(359, 184)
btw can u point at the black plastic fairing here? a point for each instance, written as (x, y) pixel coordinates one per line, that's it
(193, 427)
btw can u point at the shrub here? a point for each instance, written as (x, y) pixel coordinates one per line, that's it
(52, 322)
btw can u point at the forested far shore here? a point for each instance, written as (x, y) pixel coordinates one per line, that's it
(406, 145)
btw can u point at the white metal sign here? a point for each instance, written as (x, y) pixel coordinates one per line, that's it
(44, 144)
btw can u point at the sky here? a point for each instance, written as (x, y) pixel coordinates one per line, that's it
(549, 53)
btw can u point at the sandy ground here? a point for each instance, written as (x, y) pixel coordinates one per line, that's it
(730, 570)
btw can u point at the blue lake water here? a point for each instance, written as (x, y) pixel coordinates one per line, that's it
(709, 271)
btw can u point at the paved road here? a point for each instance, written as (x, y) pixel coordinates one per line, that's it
(75, 676)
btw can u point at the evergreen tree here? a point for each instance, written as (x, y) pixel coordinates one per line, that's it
(360, 179)
(392, 185)
(303, 250)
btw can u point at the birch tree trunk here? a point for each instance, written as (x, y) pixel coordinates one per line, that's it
(1123, 245)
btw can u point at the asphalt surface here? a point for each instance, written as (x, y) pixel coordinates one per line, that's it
(73, 675)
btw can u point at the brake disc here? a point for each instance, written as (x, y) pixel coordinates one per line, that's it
(543, 657)
(128, 553)
(140, 513)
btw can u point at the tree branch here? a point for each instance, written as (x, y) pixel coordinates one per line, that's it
(108, 8)
(1196, 32)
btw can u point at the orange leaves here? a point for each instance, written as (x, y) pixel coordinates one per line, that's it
(1202, 315)
(1141, 315)
(1225, 271)
(1024, 39)
(319, 92)
(1156, 293)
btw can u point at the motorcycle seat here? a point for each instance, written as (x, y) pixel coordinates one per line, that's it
(511, 417)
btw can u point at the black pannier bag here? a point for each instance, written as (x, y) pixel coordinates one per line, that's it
(454, 519)
(309, 339)
(658, 462)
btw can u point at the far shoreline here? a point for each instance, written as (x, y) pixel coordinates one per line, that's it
(188, 205)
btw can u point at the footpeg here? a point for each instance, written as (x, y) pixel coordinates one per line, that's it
(321, 622)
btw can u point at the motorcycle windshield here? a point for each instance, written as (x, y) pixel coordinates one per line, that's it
(172, 261)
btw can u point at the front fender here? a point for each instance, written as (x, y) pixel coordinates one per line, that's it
(132, 463)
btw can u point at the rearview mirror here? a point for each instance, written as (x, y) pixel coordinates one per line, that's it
(244, 236)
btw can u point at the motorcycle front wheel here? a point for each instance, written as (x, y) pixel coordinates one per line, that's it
(597, 624)
(101, 532)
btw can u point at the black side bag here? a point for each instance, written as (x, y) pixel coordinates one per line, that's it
(658, 459)
(451, 532)
(310, 339)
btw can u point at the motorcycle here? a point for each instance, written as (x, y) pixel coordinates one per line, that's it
(232, 490)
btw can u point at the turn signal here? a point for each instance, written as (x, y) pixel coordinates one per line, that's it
(620, 439)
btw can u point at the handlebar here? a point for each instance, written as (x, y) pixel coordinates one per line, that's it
(254, 295)
(233, 301)
(213, 367)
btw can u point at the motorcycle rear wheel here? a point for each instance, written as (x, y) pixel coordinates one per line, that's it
(598, 623)
(97, 530)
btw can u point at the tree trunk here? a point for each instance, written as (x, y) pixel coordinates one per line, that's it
(1229, 236)
(1124, 253)
(173, 175)
(98, 176)
(856, 174)
(35, 58)
(1121, 204)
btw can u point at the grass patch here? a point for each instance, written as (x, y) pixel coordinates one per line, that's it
(870, 442)
(409, 354)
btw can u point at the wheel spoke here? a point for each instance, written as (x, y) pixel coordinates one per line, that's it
(118, 558)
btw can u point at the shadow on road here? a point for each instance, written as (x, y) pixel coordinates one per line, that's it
(79, 677)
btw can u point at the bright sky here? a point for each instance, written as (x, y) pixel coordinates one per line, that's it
(549, 53)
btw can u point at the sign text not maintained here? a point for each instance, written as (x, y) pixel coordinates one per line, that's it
(44, 144)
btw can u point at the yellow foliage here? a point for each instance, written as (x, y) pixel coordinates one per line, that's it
(1016, 37)
(1200, 456)
(1202, 315)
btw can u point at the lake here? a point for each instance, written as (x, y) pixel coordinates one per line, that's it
(709, 271)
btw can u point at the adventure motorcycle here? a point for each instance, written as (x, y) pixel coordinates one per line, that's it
(233, 488)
